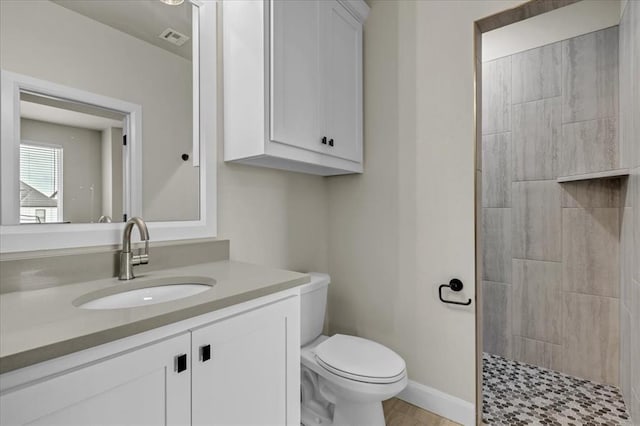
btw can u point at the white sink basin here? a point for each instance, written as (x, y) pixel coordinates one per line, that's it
(146, 292)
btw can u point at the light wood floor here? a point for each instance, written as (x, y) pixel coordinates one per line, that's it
(400, 413)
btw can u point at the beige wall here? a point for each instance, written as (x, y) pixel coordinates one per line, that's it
(47, 41)
(407, 224)
(272, 217)
(560, 24)
(81, 166)
(112, 173)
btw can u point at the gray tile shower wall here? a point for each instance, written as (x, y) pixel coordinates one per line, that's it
(590, 76)
(537, 300)
(536, 132)
(532, 351)
(551, 274)
(496, 319)
(591, 342)
(629, 131)
(590, 241)
(537, 220)
(496, 97)
(589, 146)
(497, 245)
(496, 158)
(537, 74)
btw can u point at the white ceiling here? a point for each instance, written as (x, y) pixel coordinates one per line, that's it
(143, 19)
(560, 24)
(35, 111)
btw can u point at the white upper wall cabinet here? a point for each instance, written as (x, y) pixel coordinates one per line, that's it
(293, 84)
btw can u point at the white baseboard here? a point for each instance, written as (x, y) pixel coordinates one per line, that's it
(440, 403)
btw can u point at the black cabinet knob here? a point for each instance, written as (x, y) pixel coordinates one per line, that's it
(205, 353)
(180, 363)
(330, 142)
(324, 140)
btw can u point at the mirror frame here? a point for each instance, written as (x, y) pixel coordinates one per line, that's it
(14, 85)
(30, 237)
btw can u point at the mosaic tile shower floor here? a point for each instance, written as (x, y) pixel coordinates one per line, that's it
(521, 394)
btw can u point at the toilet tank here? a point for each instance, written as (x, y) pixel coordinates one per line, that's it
(313, 304)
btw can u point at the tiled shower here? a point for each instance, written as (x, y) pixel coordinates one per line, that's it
(561, 279)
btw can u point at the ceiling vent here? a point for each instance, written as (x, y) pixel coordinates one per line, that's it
(174, 37)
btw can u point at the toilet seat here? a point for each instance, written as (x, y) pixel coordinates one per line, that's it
(360, 359)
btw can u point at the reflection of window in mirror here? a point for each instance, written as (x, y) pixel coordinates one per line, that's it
(40, 183)
(85, 185)
(41, 215)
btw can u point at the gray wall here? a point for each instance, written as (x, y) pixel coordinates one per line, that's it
(550, 255)
(81, 166)
(630, 214)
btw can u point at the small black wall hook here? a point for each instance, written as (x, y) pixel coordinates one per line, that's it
(455, 285)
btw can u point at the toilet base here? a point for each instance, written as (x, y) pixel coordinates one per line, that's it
(309, 417)
(349, 413)
(346, 414)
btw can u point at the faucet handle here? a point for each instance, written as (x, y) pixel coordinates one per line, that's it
(142, 258)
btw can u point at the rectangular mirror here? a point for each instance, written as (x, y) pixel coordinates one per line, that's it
(100, 120)
(73, 166)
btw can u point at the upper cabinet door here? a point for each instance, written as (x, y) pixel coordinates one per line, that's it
(342, 70)
(295, 74)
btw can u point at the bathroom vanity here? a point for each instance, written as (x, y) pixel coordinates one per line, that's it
(201, 359)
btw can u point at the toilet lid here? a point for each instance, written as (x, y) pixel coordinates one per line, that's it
(360, 359)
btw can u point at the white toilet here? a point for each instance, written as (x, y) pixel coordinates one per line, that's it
(344, 379)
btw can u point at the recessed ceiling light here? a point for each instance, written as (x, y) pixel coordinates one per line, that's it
(172, 2)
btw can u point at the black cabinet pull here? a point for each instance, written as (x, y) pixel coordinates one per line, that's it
(180, 362)
(324, 140)
(330, 142)
(455, 285)
(205, 353)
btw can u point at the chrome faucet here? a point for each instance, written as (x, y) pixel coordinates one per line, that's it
(127, 259)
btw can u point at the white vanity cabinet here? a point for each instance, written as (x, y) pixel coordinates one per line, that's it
(250, 374)
(240, 374)
(140, 387)
(293, 84)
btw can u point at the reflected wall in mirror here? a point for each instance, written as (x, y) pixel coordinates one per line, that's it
(71, 162)
(139, 52)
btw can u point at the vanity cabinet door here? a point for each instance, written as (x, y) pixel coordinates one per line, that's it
(141, 387)
(246, 369)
